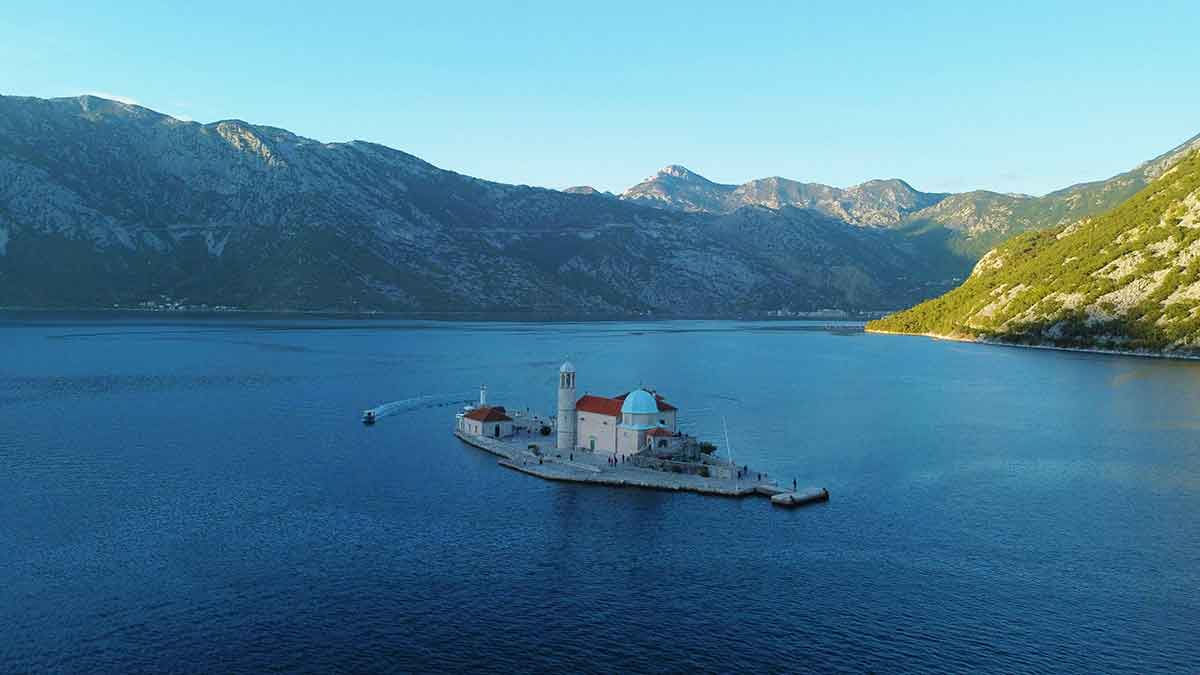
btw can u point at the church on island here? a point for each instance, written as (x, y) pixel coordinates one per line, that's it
(622, 425)
(639, 422)
(628, 440)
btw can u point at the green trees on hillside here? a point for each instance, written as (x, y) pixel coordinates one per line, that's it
(1050, 286)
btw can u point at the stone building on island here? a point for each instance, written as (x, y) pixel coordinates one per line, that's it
(635, 430)
(628, 440)
(621, 425)
(492, 421)
(486, 420)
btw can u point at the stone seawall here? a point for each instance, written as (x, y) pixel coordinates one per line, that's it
(585, 467)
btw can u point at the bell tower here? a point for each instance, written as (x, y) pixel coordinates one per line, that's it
(566, 407)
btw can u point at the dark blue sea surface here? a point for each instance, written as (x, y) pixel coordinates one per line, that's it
(199, 495)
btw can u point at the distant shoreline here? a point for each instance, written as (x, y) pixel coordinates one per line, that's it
(547, 317)
(1081, 350)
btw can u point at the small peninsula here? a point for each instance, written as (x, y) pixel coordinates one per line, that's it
(1125, 281)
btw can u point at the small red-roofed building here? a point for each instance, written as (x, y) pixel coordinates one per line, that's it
(492, 421)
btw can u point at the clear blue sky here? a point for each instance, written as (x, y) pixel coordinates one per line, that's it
(950, 96)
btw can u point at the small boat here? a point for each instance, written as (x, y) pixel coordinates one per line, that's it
(368, 417)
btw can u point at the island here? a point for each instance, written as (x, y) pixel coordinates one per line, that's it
(630, 440)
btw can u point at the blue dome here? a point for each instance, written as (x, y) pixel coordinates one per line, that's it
(639, 402)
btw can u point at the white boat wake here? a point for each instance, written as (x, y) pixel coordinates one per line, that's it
(419, 402)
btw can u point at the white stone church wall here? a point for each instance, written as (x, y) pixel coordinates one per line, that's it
(600, 427)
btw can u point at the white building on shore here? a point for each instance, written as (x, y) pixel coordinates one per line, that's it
(492, 421)
(486, 420)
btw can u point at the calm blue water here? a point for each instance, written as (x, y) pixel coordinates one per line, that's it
(199, 495)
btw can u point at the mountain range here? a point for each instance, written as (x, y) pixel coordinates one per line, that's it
(973, 221)
(874, 203)
(104, 204)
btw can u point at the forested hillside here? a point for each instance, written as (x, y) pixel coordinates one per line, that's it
(1128, 280)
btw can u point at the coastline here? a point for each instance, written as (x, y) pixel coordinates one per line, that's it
(423, 315)
(577, 471)
(583, 470)
(1081, 350)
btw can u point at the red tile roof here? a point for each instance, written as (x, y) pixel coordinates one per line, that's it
(663, 406)
(612, 406)
(599, 405)
(486, 414)
(660, 431)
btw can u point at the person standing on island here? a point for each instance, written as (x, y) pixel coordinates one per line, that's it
(793, 485)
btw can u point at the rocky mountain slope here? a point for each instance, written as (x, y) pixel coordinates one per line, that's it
(1128, 279)
(586, 190)
(964, 224)
(103, 203)
(877, 202)
(982, 219)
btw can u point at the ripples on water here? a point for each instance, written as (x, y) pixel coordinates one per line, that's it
(199, 495)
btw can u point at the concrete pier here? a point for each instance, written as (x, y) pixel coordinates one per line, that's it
(801, 497)
(586, 467)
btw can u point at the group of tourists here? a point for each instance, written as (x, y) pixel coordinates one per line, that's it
(744, 472)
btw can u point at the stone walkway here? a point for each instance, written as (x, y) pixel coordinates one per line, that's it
(588, 467)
